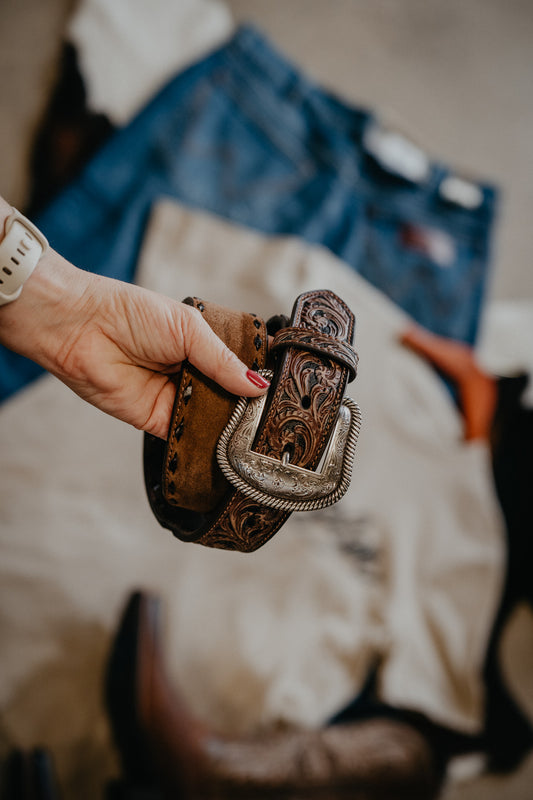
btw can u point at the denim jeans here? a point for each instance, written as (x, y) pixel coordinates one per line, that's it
(245, 135)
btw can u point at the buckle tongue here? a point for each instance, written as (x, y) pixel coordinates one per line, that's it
(279, 484)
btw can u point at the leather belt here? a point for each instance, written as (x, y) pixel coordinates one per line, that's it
(232, 470)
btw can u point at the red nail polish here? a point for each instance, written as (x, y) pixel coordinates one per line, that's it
(257, 379)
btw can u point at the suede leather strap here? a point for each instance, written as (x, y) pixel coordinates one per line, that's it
(312, 361)
(191, 478)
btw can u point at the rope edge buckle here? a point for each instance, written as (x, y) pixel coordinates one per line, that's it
(279, 484)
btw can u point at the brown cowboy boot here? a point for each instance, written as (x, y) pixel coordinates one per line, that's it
(161, 743)
(375, 759)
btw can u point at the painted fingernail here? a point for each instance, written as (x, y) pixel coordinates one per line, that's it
(257, 379)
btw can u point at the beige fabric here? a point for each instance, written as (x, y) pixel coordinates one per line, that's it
(407, 566)
(420, 497)
(282, 634)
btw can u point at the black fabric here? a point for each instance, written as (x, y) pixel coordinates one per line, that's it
(68, 135)
(508, 731)
(30, 775)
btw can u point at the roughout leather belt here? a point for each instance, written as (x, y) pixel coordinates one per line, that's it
(232, 471)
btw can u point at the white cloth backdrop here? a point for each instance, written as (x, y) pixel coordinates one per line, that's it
(407, 567)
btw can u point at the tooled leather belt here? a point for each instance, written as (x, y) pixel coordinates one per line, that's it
(232, 471)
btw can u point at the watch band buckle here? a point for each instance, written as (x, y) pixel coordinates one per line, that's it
(278, 483)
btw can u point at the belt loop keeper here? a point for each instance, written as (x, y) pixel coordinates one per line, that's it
(320, 343)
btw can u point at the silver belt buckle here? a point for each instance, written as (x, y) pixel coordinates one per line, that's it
(280, 484)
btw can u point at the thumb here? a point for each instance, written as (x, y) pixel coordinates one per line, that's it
(208, 353)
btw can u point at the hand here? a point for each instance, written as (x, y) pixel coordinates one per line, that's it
(117, 345)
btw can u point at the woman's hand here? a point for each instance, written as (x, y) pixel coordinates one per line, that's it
(116, 345)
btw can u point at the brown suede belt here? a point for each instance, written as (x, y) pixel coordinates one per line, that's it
(232, 471)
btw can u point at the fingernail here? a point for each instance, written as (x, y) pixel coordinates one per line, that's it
(257, 379)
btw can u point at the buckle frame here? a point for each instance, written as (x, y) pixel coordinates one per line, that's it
(277, 483)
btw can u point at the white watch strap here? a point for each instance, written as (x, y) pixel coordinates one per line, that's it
(20, 250)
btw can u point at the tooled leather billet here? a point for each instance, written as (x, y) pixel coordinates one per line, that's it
(233, 470)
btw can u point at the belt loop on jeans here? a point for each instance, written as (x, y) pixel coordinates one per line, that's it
(268, 450)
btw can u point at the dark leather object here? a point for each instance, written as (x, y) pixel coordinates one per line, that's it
(312, 360)
(30, 775)
(164, 748)
(153, 733)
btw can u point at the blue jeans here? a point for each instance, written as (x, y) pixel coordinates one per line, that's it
(244, 135)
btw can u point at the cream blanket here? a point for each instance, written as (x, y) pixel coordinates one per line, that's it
(407, 568)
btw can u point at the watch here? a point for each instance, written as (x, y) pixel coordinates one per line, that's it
(20, 250)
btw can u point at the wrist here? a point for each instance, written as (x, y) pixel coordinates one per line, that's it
(33, 324)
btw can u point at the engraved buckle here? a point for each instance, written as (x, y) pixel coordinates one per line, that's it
(279, 484)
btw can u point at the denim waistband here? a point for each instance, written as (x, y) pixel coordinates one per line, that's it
(246, 135)
(311, 123)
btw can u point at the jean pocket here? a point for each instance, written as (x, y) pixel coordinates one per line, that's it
(432, 272)
(218, 156)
